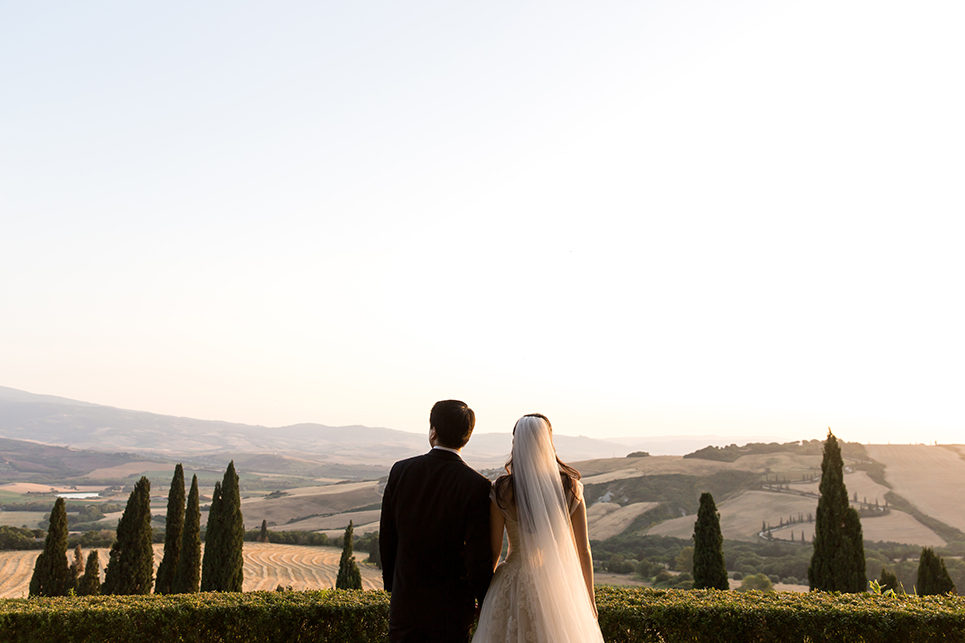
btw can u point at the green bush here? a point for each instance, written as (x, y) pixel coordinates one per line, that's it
(627, 615)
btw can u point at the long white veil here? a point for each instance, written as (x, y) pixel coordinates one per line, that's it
(548, 548)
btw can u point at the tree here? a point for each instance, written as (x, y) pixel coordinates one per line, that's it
(131, 564)
(187, 575)
(76, 566)
(90, 583)
(212, 549)
(173, 526)
(933, 578)
(349, 576)
(889, 580)
(263, 535)
(375, 555)
(837, 563)
(709, 569)
(51, 575)
(759, 582)
(222, 569)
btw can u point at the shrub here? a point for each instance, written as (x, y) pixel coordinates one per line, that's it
(627, 615)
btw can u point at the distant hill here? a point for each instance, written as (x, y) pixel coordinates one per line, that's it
(82, 425)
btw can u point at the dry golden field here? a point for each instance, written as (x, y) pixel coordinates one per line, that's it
(266, 567)
(856, 482)
(741, 517)
(606, 519)
(930, 477)
(305, 502)
(896, 526)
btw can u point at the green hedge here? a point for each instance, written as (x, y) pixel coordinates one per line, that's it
(626, 615)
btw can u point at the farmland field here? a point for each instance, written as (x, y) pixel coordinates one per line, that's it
(266, 567)
(896, 526)
(930, 477)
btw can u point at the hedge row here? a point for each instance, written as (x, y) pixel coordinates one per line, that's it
(626, 615)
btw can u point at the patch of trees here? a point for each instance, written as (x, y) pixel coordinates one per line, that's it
(130, 563)
(731, 452)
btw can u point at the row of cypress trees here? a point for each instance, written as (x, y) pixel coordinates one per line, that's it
(131, 560)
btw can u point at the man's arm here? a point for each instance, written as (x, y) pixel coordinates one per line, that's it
(478, 539)
(388, 536)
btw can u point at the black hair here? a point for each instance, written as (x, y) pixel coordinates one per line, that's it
(453, 421)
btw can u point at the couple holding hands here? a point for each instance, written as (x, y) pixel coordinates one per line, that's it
(441, 535)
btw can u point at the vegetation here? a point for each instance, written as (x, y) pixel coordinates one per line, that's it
(933, 577)
(731, 452)
(222, 566)
(90, 583)
(708, 562)
(349, 576)
(51, 575)
(888, 580)
(627, 615)
(756, 582)
(187, 575)
(131, 563)
(375, 554)
(263, 532)
(173, 526)
(838, 562)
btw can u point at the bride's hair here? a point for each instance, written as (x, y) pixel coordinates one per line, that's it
(504, 483)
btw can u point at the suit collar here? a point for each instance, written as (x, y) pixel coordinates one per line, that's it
(445, 455)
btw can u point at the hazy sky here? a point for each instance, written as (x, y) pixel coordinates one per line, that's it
(740, 218)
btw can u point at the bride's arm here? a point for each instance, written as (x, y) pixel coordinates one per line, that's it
(495, 531)
(582, 539)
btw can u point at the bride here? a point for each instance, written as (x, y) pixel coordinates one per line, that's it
(543, 591)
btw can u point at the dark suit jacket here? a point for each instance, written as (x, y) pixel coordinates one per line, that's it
(434, 541)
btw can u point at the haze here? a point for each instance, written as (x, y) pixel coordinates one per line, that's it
(637, 218)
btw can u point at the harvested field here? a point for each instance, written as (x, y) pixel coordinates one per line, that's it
(741, 517)
(615, 522)
(930, 477)
(651, 466)
(610, 476)
(337, 521)
(896, 526)
(128, 469)
(33, 487)
(266, 567)
(307, 502)
(20, 518)
(856, 482)
(358, 529)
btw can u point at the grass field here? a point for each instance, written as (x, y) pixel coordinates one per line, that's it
(741, 517)
(930, 477)
(30, 519)
(896, 527)
(856, 482)
(266, 567)
(305, 502)
(607, 524)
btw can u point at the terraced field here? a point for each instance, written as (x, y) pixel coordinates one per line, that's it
(266, 567)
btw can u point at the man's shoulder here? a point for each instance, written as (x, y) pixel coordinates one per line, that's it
(399, 465)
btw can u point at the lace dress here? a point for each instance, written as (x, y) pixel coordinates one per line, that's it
(511, 611)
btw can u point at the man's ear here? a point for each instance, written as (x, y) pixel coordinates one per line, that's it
(433, 436)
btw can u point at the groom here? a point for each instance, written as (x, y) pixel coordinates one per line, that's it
(434, 535)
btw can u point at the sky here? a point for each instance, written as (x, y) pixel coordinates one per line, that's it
(639, 218)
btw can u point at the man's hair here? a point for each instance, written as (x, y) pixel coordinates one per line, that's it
(453, 421)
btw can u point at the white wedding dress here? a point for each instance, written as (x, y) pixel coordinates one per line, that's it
(538, 593)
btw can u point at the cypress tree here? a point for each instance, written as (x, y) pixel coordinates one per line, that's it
(51, 575)
(233, 533)
(837, 563)
(131, 564)
(90, 583)
(187, 575)
(212, 546)
(888, 580)
(709, 569)
(173, 526)
(222, 569)
(263, 535)
(349, 576)
(76, 566)
(933, 578)
(375, 556)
